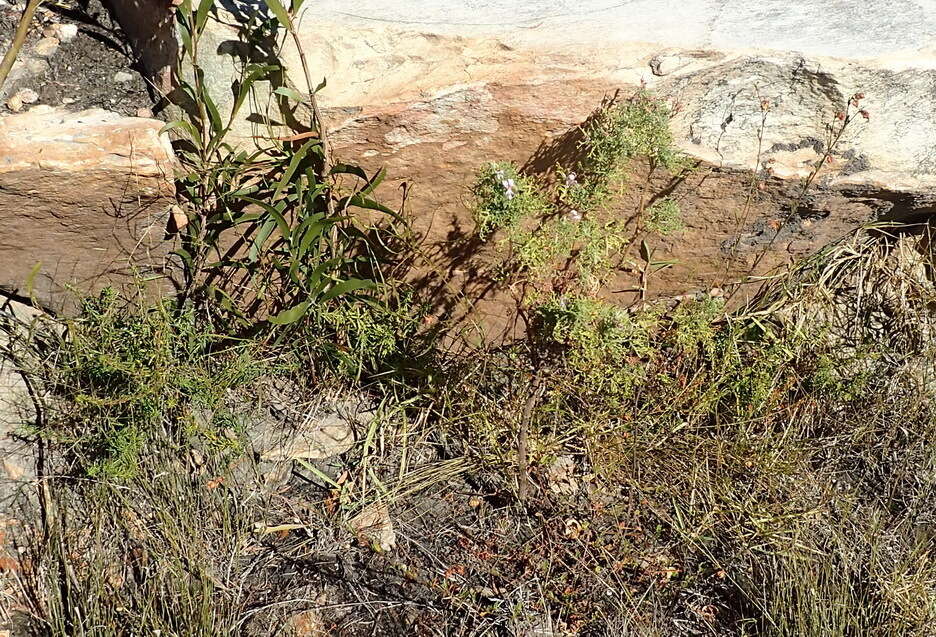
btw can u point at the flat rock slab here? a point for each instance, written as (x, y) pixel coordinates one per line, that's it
(83, 201)
(17, 409)
(836, 29)
(430, 69)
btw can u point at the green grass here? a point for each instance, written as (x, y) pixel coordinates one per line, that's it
(744, 477)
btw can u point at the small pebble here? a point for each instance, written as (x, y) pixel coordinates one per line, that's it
(15, 104)
(21, 97)
(67, 32)
(28, 96)
(36, 66)
(68, 100)
(122, 76)
(144, 112)
(46, 47)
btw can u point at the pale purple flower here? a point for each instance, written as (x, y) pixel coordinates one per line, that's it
(509, 186)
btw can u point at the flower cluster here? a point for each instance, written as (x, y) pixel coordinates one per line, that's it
(856, 102)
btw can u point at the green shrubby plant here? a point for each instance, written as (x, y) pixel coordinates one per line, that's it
(602, 329)
(618, 133)
(693, 321)
(638, 127)
(268, 235)
(372, 337)
(130, 376)
(503, 198)
(575, 233)
(664, 217)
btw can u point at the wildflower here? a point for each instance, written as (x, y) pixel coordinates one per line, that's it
(499, 174)
(509, 186)
(840, 116)
(865, 114)
(574, 215)
(765, 105)
(570, 180)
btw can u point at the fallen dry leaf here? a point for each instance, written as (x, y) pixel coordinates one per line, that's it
(373, 527)
(214, 483)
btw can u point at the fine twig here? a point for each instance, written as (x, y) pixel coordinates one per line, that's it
(523, 471)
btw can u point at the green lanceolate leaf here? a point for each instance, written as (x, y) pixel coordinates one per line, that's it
(349, 169)
(351, 285)
(359, 201)
(373, 183)
(293, 165)
(201, 15)
(185, 35)
(262, 235)
(31, 280)
(185, 255)
(309, 231)
(292, 94)
(192, 132)
(246, 217)
(254, 73)
(275, 214)
(291, 315)
(645, 253)
(315, 282)
(213, 114)
(279, 11)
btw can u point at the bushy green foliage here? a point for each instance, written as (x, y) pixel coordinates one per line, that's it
(616, 134)
(372, 337)
(503, 198)
(602, 330)
(130, 374)
(574, 239)
(693, 325)
(598, 339)
(638, 127)
(664, 217)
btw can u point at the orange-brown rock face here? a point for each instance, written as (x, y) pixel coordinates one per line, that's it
(433, 89)
(83, 198)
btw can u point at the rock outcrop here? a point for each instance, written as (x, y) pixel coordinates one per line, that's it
(431, 89)
(84, 199)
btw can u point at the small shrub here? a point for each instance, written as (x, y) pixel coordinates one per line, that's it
(638, 127)
(598, 338)
(124, 377)
(693, 325)
(664, 217)
(370, 336)
(503, 198)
